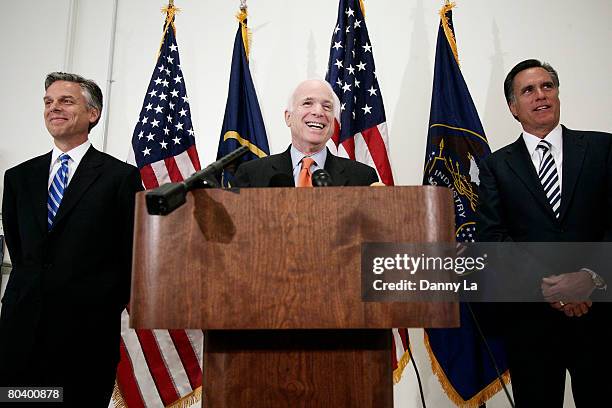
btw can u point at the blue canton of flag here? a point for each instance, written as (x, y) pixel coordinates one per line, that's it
(455, 145)
(362, 133)
(243, 123)
(164, 140)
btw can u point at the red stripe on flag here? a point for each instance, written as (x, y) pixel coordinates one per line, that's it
(378, 151)
(173, 171)
(126, 380)
(404, 336)
(157, 367)
(349, 146)
(193, 155)
(336, 136)
(188, 357)
(148, 177)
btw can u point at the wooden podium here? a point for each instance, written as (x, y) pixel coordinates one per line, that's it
(274, 277)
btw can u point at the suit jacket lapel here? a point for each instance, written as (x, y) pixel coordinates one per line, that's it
(574, 148)
(336, 170)
(282, 163)
(519, 161)
(38, 188)
(88, 171)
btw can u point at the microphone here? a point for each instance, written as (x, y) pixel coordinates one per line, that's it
(321, 178)
(205, 178)
(170, 196)
(281, 180)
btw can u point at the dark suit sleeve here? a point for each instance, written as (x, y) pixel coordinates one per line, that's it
(489, 220)
(241, 178)
(9, 220)
(608, 214)
(127, 195)
(372, 176)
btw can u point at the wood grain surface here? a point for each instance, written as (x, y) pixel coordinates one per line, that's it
(281, 258)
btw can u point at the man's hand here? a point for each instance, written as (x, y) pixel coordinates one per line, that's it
(568, 287)
(572, 309)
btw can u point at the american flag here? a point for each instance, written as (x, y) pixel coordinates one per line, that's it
(159, 368)
(361, 129)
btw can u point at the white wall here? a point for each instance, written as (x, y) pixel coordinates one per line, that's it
(291, 42)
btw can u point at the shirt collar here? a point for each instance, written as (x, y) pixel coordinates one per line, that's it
(297, 156)
(76, 154)
(555, 138)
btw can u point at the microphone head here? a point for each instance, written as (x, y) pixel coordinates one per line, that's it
(281, 180)
(321, 178)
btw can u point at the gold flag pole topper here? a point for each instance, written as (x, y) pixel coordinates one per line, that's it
(170, 11)
(246, 34)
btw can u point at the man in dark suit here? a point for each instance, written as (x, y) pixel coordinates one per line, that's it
(551, 185)
(310, 117)
(68, 219)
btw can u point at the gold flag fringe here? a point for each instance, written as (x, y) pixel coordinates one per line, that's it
(189, 399)
(477, 400)
(246, 33)
(186, 401)
(170, 12)
(450, 37)
(118, 401)
(397, 373)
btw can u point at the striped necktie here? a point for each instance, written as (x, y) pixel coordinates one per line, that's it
(549, 177)
(56, 190)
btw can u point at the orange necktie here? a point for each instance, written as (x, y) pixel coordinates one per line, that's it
(304, 178)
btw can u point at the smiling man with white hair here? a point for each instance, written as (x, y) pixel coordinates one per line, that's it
(310, 117)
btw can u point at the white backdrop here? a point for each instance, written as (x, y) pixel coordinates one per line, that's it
(291, 42)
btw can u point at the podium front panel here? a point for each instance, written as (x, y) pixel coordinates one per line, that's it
(281, 258)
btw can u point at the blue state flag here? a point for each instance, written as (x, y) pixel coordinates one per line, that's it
(455, 145)
(243, 124)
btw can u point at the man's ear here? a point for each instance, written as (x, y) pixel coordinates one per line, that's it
(287, 118)
(94, 115)
(513, 109)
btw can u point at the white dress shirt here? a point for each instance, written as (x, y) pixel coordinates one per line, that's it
(296, 161)
(555, 138)
(76, 155)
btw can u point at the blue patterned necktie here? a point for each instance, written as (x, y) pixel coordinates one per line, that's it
(56, 190)
(549, 177)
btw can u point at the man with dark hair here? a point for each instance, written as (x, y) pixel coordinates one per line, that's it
(310, 118)
(552, 185)
(68, 219)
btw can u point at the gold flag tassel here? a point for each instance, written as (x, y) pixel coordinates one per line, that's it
(362, 8)
(246, 33)
(170, 11)
(450, 37)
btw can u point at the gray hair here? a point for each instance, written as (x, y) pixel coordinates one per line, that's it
(335, 99)
(521, 66)
(91, 90)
